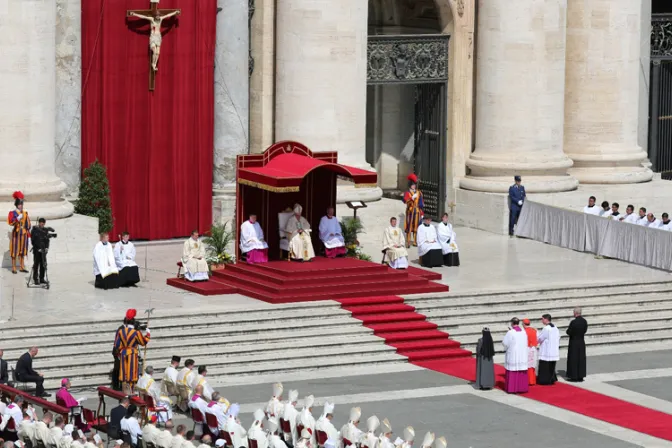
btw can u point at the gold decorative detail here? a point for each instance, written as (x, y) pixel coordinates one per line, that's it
(366, 185)
(270, 188)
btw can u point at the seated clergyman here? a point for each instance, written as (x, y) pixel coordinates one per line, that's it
(448, 241)
(104, 266)
(193, 259)
(394, 245)
(124, 257)
(298, 234)
(331, 235)
(429, 248)
(252, 242)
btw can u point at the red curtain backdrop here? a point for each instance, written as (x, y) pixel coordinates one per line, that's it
(157, 146)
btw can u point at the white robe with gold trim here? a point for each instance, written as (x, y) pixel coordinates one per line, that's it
(395, 244)
(147, 384)
(300, 244)
(193, 260)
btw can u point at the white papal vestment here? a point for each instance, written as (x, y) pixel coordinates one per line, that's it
(193, 260)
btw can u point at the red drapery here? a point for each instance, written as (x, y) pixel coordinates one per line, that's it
(157, 146)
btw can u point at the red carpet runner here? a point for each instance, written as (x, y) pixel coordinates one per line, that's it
(426, 346)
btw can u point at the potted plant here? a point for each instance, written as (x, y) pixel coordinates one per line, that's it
(216, 242)
(350, 229)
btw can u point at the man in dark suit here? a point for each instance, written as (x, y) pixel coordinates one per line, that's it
(116, 414)
(4, 370)
(516, 200)
(26, 374)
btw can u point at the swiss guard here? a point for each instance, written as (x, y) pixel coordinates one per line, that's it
(126, 344)
(19, 221)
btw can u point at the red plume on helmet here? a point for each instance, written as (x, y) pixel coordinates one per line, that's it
(18, 195)
(413, 178)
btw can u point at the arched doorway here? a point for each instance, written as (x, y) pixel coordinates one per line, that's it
(407, 96)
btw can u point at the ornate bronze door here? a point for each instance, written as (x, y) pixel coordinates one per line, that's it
(660, 104)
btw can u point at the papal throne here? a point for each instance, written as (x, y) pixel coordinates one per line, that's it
(283, 218)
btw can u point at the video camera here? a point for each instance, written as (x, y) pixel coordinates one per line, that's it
(51, 233)
(139, 325)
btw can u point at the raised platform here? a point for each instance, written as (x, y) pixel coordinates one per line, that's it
(321, 279)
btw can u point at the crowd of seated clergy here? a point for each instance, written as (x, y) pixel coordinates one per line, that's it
(642, 218)
(115, 267)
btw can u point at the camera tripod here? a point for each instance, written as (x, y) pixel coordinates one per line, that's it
(30, 283)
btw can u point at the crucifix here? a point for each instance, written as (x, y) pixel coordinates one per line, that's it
(154, 16)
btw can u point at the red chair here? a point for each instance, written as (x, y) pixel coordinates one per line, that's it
(299, 430)
(211, 420)
(91, 418)
(197, 417)
(286, 429)
(346, 442)
(227, 439)
(321, 437)
(152, 407)
(252, 443)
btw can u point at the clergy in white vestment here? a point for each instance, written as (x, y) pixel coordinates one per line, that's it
(441, 442)
(193, 259)
(290, 414)
(630, 217)
(605, 211)
(41, 431)
(298, 234)
(448, 241)
(516, 359)
(150, 433)
(549, 351)
(197, 402)
(13, 411)
(234, 428)
(666, 223)
(615, 213)
(252, 243)
(642, 219)
(409, 436)
(306, 419)
(350, 433)
(56, 432)
(148, 386)
(324, 424)
(394, 246)
(124, 257)
(104, 266)
(274, 406)
(256, 431)
(651, 221)
(304, 440)
(184, 381)
(26, 429)
(331, 235)
(428, 440)
(384, 440)
(169, 381)
(369, 438)
(591, 208)
(66, 439)
(199, 380)
(429, 248)
(217, 407)
(274, 440)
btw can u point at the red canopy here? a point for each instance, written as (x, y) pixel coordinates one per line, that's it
(283, 166)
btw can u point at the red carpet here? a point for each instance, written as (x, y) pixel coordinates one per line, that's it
(571, 398)
(321, 279)
(401, 327)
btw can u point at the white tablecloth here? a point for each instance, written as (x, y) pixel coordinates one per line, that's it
(601, 236)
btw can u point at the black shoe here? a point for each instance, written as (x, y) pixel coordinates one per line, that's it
(44, 395)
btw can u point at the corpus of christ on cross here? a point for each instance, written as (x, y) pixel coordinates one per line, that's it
(154, 16)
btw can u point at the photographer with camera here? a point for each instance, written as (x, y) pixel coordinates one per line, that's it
(40, 236)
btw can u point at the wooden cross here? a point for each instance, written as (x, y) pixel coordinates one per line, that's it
(155, 16)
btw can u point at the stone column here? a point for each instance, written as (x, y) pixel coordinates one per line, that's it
(262, 81)
(321, 80)
(520, 97)
(28, 99)
(231, 102)
(602, 93)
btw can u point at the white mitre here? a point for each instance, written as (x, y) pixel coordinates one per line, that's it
(409, 434)
(355, 414)
(428, 440)
(372, 423)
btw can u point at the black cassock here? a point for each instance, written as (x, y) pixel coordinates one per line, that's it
(576, 354)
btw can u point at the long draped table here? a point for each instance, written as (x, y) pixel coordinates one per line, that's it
(601, 236)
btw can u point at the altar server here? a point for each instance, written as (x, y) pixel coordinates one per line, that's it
(290, 414)
(641, 220)
(252, 243)
(591, 208)
(274, 406)
(549, 351)
(606, 210)
(615, 214)
(193, 259)
(448, 241)
(234, 428)
(332, 235)
(395, 246)
(515, 360)
(124, 257)
(298, 234)
(306, 418)
(630, 217)
(148, 386)
(666, 223)
(652, 221)
(385, 434)
(369, 438)
(350, 432)
(429, 248)
(104, 266)
(324, 423)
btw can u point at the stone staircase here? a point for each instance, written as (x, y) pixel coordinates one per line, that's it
(322, 336)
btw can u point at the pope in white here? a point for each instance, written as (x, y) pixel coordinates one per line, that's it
(193, 259)
(448, 241)
(104, 266)
(394, 245)
(124, 257)
(515, 360)
(332, 235)
(429, 249)
(252, 243)
(298, 234)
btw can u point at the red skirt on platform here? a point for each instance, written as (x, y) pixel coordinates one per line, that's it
(516, 382)
(335, 252)
(257, 256)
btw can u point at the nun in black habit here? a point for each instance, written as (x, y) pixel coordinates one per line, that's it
(485, 365)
